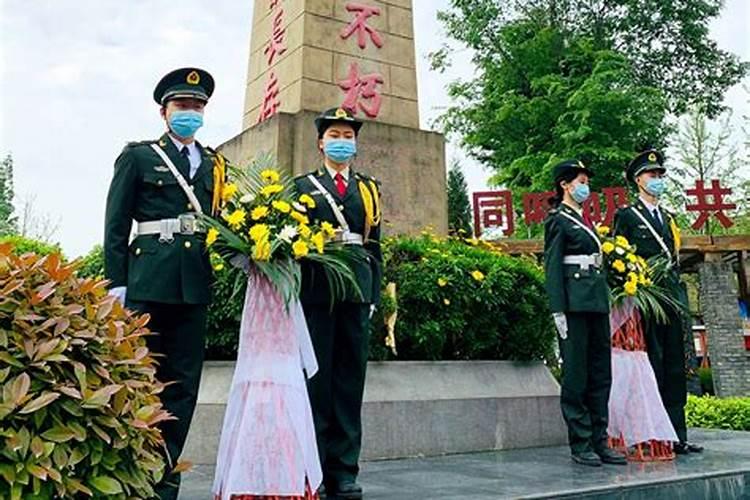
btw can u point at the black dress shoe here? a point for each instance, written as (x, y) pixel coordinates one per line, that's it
(587, 458)
(683, 448)
(610, 456)
(348, 490)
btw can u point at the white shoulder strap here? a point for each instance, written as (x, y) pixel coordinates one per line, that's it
(180, 179)
(656, 235)
(334, 206)
(584, 227)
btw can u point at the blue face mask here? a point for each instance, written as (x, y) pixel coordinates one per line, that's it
(185, 123)
(655, 186)
(581, 193)
(340, 150)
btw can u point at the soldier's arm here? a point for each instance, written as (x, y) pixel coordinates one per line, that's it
(118, 219)
(554, 248)
(621, 226)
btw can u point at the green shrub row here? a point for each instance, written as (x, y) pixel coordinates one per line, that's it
(711, 412)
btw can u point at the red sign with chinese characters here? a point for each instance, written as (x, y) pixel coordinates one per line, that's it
(361, 91)
(494, 209)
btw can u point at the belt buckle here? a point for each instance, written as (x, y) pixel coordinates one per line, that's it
(598, 260)
(187, 223)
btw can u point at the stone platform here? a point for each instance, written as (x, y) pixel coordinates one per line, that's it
(415, 408)
(722, 472)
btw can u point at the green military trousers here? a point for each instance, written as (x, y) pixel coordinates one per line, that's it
(586, 380)
(179, 338)
(666, 352)
(340, 338)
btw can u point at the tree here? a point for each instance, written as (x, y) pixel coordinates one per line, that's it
(34, 225)
(586, 78)
(8, 221)
(665, 41)
(548, 99)
(705, 151)
(459, 208)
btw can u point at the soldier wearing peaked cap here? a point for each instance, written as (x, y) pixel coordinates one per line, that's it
(350, 201)
(579, 299)
(162, 185)
(654, 232)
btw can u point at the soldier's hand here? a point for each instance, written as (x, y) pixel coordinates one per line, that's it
(561, 323)
(119, 292)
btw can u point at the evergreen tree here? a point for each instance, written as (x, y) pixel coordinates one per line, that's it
(8, 221)
(459, 208)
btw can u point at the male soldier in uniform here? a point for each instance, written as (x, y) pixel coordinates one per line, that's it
(654, 233)
(165, 271)
(350, 202)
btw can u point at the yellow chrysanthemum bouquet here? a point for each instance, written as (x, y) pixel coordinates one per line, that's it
(630, 276)
(264, 224)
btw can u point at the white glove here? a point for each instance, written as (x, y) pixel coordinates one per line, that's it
(561, 323)
(372, 310)
(120, 292)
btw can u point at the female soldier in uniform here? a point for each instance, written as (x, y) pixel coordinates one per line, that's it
(579, 299)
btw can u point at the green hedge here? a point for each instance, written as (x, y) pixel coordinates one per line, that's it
(22, 245)
(459, 301)
(710, 412)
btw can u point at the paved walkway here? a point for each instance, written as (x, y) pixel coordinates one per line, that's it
(722, 471)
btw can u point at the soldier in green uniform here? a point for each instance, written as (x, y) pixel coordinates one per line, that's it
(164, 271)
(350, 201)
(654, 233)
(579, 299)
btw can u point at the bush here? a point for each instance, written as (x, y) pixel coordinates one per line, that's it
(225, 313)
(79, 401)
(459, 302)
(705, 375)
(92, 264)
(22, 245)
(714, 413)
(500, 314)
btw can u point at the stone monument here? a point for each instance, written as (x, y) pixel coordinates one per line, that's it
(310, 55)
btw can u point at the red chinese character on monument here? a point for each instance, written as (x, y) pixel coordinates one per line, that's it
(536, 206)
(364, 86)
(276, 45)
(715, 207)
(359, 24)
(493, 209)
(271, 101)
(273, 4)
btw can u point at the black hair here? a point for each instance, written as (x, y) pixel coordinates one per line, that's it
(569, 176)
(329, 123)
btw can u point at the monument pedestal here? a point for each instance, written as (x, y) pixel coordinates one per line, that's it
(409, 162)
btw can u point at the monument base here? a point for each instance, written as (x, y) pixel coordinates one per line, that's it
(421, 408)
(409, 162)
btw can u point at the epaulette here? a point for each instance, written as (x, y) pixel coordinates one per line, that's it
(366, 177)
(149, 142)
(553, 211)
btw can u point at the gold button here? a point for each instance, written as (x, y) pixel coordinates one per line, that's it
(160, 182)
(189, 206)
(577, 275)
(188, 244)
(137, 251)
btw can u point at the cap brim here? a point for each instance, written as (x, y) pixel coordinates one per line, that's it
(184, 94)
(649, 168)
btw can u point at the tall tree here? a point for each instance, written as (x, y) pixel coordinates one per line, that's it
(8, 221)
(459, 208)
(587, 78)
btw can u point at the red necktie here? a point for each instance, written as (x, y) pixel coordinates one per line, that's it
(340, 184)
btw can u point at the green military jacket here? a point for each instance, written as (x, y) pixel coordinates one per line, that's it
(143, 189)
(368, 271)
(629, 225)
(569, 287)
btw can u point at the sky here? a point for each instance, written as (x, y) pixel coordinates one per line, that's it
(76, 79)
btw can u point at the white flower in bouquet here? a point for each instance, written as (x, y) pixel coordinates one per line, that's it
(288, 233)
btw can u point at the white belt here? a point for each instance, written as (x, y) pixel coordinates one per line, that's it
(584, 261)
(349, 238)
(166, 228)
